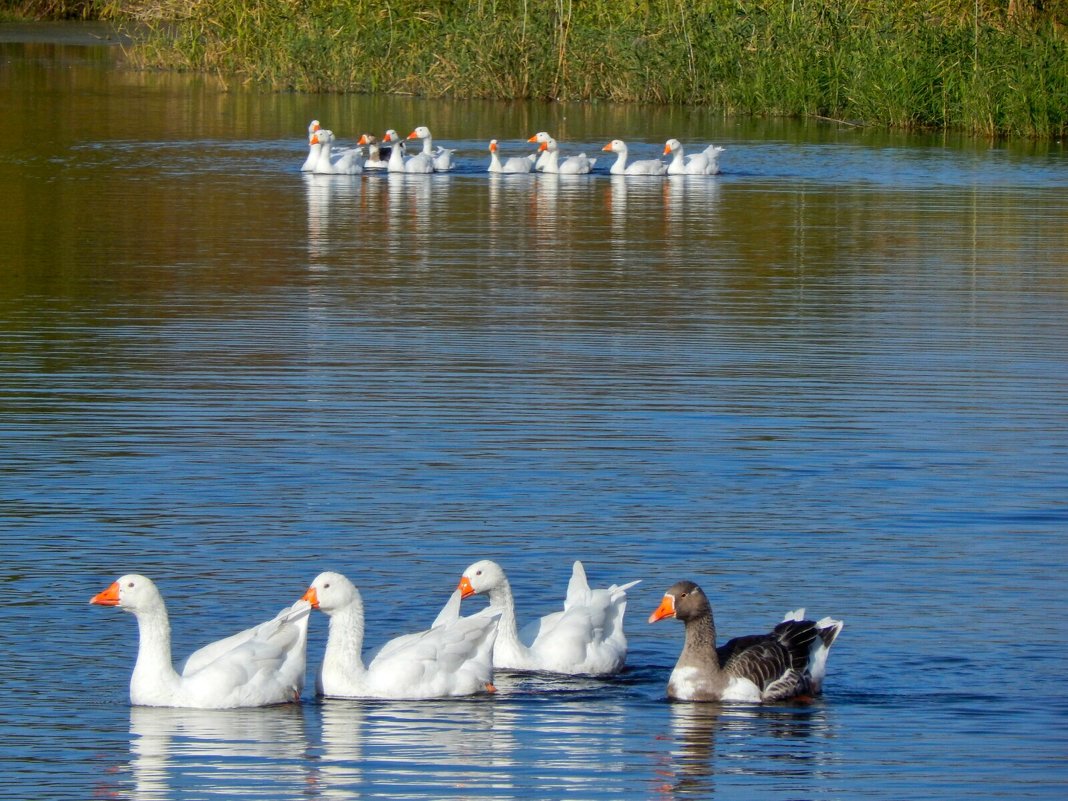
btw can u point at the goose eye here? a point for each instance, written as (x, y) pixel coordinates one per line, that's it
(326, 586)
(683, 595)
(478, 572)
(130, 584)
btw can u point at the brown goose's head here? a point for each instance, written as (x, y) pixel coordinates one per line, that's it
(683, 601)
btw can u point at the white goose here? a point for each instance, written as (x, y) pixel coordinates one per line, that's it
(260, 666)
(313, 147)
(541, 137)
(572, 165)
(640, 167)
(454, 657)
(441, 158)
(704, 163)
(374, 153)
(348, 162)
(586, 638)
(514, 164)
(420, 163)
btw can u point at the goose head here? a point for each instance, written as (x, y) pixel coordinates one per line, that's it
(671, 145)
(540, 137)
(549, 144)
(132, 592)
(683, 601)
(493, 146)
(616, 146)
(422, 132)
(481, 577)
(330, 592)
(313, 126)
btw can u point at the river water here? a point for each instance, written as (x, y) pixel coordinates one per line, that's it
(834, 376)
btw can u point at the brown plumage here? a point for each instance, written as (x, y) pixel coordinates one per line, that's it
(787, 663)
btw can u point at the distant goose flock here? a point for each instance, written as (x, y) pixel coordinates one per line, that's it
(390, 154)
(457, 655)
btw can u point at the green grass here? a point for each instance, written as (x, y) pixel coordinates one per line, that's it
(993, 67)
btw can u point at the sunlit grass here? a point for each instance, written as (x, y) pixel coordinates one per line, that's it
(957, 64)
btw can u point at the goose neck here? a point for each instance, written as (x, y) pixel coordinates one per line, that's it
(344, 642)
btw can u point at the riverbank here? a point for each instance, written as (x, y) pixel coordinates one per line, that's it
(964, 66)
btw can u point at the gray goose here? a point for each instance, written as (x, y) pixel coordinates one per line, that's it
(788, 663)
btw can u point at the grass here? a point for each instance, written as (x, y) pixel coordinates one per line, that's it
(991, 67)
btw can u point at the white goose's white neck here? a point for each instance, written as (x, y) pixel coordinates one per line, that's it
(509, 650)
(324, 164)
(677, 159)
(343, 665)
(621, 163)
(495, 162)
(428, 148)
(154, 679)
(552, 159)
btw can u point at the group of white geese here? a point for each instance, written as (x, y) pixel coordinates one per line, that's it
(389, 155)
(458, 654)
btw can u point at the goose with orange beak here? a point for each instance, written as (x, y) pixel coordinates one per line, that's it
(260, 666)
(586, 638)
(452, 658)
(789, 663)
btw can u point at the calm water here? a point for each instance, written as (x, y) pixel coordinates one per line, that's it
(834, 376)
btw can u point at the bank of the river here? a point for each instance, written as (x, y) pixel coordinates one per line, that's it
(994, 67)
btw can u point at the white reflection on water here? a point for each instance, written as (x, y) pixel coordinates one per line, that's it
(225, 752)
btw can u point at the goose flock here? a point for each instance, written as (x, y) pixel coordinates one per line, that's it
(457, 655)
(390, 154)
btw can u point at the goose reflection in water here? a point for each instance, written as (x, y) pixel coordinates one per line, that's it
(413, 747)
(735, 741)
(330, 200)
(224, 752)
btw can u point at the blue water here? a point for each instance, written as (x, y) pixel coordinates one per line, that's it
(834, 376)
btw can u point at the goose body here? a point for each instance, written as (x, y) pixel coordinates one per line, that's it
(313, 148)
(789, 662)
(513, 164)
(348, 162)
(572, 165)
(440, 158)
(640, 167)
(420, 163)
(586, 638)
(541, 137)
(704, 163)
(452, 658)
(377, 156)
(260, 666)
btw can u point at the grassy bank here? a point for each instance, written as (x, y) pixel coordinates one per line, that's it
(996, 67)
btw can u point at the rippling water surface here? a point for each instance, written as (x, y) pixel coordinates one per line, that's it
(833, 376)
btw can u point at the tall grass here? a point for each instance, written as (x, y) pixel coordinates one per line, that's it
(996, 67)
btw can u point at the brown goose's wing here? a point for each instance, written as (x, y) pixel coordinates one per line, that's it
(777, 663)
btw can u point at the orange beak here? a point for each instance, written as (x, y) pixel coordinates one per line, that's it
(493, 147)
(666, 609)
(667, 150)
(363, 140)
(607, 147)
(534, 138)
(465, 587)
(109, 597)
(311, 597)
(542, 146)
(413, 135)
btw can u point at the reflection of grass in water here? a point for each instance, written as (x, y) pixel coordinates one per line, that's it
(946, 63)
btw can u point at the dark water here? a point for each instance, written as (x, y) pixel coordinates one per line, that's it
(834, 376)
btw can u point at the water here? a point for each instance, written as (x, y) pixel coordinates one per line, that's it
(833, 376)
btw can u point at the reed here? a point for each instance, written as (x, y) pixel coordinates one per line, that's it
(994, 67)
